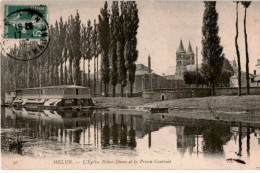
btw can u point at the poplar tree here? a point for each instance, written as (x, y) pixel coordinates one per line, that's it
(104, 34)
(131, 24)
(89, 54)
(113, 45)
(95, 52)
(69, 47)
(65, 76)
(83, 50)
(56, 54)
(76, 48)
(246, 4)
(211, 49)
(50, 58)
(237, 52)
(122, 71)
(61, 47)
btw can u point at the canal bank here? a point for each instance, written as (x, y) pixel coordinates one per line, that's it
(249, 103)
(225, 108)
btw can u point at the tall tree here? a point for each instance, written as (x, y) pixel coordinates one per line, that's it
(56, 54)
(113, 45)
(95, 52)
(30, 73)
(89, 54)
(131, 24)
(83, 50)
(122, 71)
(49, 67)
(189, 77)
(104, 38)
(61, 48)
(75, 47)
(237, 52)
(65, 76)
(69, 49)
(227, 67)
(211, 49)
(246, 4)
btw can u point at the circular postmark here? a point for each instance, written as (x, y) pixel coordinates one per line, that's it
(26, 32)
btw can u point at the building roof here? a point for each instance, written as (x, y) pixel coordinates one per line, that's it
(169, 77)
(190, 51)
(141, 67)
(46, 87)
(243, 74)
(257, 78)
(14, 90)
(181, 47)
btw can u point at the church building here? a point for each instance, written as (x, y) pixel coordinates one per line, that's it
(183, 59)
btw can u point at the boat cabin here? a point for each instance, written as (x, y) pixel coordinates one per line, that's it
(62, 95)
(10, 96)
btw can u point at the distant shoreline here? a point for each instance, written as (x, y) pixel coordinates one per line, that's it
(226, 108)
(249, 103)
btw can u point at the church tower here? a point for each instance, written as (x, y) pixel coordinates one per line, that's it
(180, 61)
(190, 55)
(183, 59)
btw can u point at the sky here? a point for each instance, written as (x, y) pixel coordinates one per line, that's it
(163, 23)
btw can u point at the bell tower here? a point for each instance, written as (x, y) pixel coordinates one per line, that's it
(180, 61)
(190, 56)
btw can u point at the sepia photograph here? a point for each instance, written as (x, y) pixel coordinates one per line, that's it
(130, 85)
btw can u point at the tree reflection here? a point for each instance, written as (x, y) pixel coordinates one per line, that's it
(106, 132)
(240, 140)
(132, 141)
(215, 137)
(115, 130)
(77, 135)
(123, 134)
(248, 139)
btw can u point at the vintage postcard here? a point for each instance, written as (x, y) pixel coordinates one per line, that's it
(130, 85)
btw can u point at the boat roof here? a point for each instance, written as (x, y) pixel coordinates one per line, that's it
(46, 87)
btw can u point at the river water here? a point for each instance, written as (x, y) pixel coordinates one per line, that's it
(179, 143)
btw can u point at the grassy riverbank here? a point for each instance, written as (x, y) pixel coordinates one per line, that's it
(225, 103)
(120, 102)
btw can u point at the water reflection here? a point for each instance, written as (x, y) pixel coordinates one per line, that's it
(69, 132)
(248, 131)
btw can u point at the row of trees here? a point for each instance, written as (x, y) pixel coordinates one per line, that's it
(118, 44)
(212, 51)
(113, 37)
(58, 65)
(246, 5)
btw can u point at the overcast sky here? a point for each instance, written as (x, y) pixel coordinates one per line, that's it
(163, 24)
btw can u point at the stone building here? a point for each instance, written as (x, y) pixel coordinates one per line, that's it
(183, 59)
(145, 80)
(257, 73)
(233, 82)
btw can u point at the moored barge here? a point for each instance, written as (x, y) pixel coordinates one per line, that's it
(50, 97)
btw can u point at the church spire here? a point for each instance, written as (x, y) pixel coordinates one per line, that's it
(234, 64)
(181, 48)
(190, 51)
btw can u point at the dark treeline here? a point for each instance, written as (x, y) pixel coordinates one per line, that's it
(213, 57)
(222, 80)
(112, 36)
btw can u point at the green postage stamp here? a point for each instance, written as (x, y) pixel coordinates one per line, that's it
(25, 22)
(26, 31)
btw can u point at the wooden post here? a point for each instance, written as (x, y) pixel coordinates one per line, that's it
(197, 69)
